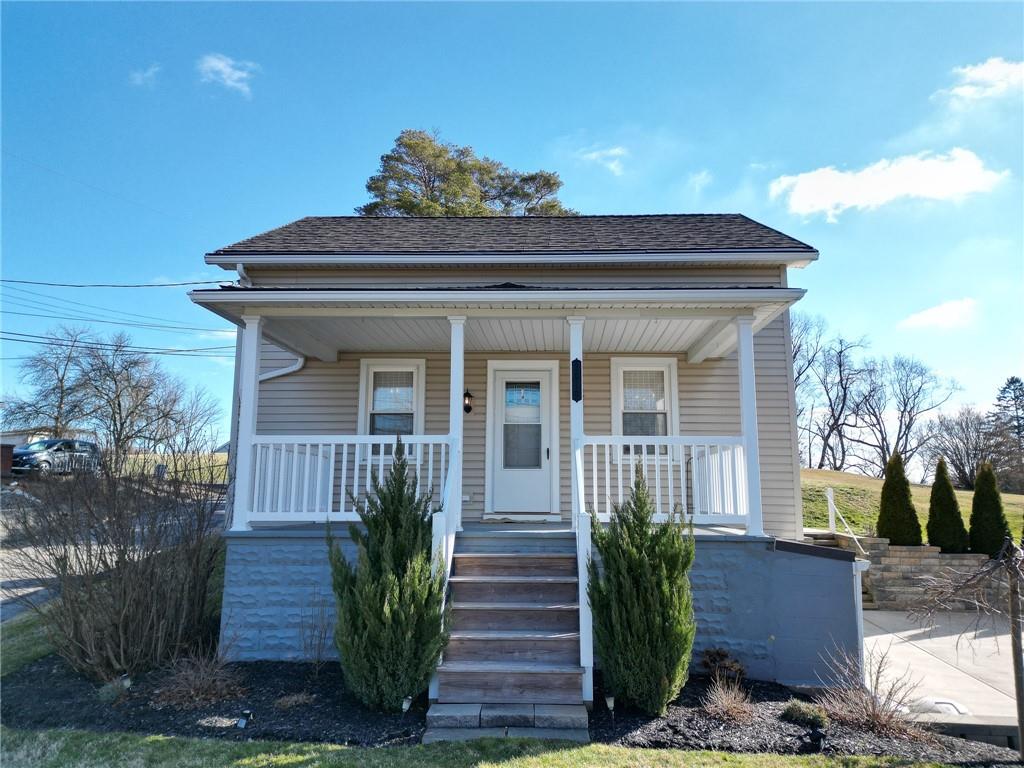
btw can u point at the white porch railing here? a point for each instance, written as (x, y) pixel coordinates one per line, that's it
(310, 478)
(702, 477)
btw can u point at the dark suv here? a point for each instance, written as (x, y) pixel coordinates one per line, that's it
(58, 456)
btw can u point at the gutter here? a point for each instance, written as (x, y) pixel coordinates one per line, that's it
(300, 362)
(231, 260)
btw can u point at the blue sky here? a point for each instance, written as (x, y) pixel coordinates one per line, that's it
(136, 137)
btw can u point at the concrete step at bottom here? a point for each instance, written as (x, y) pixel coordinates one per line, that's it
(548, 716)
(434, 735)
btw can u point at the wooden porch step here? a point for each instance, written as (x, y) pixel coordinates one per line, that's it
(498, 615)
(516, 588)
(514, 563)
(522, 645)
(509, 682)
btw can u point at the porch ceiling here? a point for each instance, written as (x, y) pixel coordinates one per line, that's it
(701, 329)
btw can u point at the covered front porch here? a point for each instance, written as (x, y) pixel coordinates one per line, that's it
(482, 453)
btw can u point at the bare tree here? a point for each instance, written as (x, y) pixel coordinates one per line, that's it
(56, 400)
(893, 400)
(807, 333)
(837, 377)
(962, 439)
(136, 406)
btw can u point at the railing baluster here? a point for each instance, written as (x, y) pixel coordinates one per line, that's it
(430, 468)
(330, 481)
(343, 502)
(593, 479)
(657, 478)
(682, 479)
(607, 479)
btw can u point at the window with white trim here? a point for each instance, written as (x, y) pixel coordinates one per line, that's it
(644, 398)
(391, 397)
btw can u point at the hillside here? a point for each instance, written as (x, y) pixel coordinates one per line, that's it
(857, 498)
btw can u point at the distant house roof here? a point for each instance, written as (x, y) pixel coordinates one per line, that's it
(516, 235)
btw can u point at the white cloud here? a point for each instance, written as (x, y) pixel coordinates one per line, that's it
(610, 158)
(697, 181)
(223, 70)
(991, 79)
(957, 313)
(144, 77)
(925, 176)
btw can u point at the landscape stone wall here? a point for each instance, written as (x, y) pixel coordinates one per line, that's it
(900, 576)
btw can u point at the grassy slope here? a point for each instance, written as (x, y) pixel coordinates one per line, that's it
(857, 498)
(77, 749)
(22, 640)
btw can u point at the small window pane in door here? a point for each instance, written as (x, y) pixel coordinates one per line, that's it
(522, 427)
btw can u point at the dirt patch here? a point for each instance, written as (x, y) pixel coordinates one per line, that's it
(687, 726)
(49, 694)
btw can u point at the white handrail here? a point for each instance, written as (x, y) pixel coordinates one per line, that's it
(833, 512)
(582, 524)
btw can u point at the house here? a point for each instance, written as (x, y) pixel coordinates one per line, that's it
(530, 365)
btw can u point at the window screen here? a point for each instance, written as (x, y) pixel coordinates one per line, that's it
(644, 403)
(391, 404)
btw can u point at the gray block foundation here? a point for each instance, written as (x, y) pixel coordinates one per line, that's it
(777, 607)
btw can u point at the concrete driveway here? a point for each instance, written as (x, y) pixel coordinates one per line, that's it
(949, 659)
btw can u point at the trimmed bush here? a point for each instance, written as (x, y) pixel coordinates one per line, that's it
(642, 606)
(989, 527)
(804, 713)
(390, 630)
(897, 518)
(945, 524)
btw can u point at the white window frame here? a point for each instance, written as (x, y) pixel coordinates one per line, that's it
(669, 366)
(369, 366)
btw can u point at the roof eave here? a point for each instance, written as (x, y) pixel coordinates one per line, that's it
(789, 257)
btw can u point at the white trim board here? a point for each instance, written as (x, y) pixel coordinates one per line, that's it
(551, 366)
(792, 258)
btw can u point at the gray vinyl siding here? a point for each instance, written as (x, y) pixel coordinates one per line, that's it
(557, 277)
(323, 398)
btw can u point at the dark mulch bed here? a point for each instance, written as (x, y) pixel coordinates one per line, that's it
(49, 694)
(687, 726)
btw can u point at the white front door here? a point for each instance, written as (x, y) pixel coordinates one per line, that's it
(522, 455)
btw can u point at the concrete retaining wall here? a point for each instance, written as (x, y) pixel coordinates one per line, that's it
(777, 607)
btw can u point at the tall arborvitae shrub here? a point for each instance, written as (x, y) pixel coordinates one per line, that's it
(390, 630)
(988, 520)
(897, 518)
(945, 524)
(642, 607)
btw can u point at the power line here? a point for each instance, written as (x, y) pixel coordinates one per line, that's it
(62, 300)
(126, 349)
(146, 326)
(132, 347)
(114, 285)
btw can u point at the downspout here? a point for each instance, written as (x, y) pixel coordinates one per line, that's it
(298, 365)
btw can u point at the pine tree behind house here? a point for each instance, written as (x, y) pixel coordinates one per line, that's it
(897, 518)
(989, 527)
(945, 524)
(390, 630)
(642, 606)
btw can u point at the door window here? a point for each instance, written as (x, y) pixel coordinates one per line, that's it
(522, 427)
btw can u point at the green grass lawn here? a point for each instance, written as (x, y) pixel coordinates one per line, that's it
(22, 640)
(857, 498)
(78, 749)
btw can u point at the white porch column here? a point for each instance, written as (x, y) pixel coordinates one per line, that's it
(575, 404)
(456, 388)
(748, 423)
(248, 396)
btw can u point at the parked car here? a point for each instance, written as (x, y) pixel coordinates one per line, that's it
(56, 456)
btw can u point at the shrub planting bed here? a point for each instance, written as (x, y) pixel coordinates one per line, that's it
(289, 703)
(687, 725)
(48, 694)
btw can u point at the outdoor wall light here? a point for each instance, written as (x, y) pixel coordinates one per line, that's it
(467, 401)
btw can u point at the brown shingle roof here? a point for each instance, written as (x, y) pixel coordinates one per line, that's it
(668, 233)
